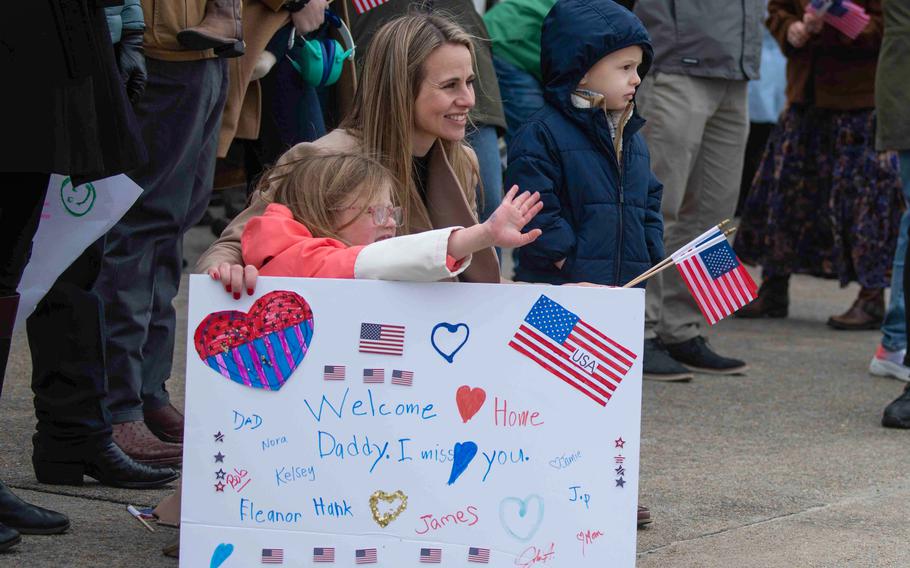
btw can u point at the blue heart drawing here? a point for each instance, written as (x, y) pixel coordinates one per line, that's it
(448, 340)
(464, 453)
(221, 553)
(526, 520)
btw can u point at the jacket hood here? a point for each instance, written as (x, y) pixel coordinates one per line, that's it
(579, 33)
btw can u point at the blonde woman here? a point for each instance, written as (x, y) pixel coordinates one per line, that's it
(411, 108)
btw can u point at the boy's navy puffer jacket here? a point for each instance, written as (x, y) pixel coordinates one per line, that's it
(604, 220)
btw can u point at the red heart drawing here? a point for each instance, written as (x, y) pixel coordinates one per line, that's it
(469, 401)
(261, 348)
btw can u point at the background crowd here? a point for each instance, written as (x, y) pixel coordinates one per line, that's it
(456, 106)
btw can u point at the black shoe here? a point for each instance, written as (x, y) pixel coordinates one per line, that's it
(897, 414)
(8, 537)
(27, 518)
(773, 300)
(696, 355)
(657, 365)
(108, 464)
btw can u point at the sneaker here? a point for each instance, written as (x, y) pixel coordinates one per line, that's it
(889, 364)
(659, 366)
(696, 355)
(897, 414)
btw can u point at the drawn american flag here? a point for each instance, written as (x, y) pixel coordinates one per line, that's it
(333, 373)
(403, 378)
(715, 277)
(273, 556)
(373, 376)
(323, 555)
(366, 5)
(381, 338)
(479, 555)
(843, 15)
(365, 556)
(430, 555)
(572, 350)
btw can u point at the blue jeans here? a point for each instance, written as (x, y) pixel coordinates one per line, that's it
(522, 94)
(894, 331)
(485, 143)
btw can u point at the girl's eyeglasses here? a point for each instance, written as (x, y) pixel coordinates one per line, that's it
(381, 213)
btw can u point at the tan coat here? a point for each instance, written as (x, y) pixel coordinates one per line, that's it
(448, 205)
(243, 109)
(164, 19)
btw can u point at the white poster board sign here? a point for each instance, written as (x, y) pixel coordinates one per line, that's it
(400, 424)
(73, 217)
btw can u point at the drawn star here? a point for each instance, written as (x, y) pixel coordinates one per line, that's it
(220, 474)
(620, 482)
(219, 487)
(620, 470)
(219, 458)
(620, 443)
(219, 437)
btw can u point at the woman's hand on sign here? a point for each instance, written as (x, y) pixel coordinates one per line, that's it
(506, 223)
(236, 278)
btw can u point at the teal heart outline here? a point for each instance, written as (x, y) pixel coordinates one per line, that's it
(451, 328)
(220, 554)
(522, 511)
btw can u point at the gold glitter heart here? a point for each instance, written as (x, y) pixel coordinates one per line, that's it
(383, 520)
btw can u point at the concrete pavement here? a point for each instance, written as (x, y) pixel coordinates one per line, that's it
(786, 466)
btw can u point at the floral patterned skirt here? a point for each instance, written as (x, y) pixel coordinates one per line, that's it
(823, 201)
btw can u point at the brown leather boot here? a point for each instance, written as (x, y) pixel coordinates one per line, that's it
(867, 311)
(138, 442)
(166, 423)
(220, 29)
(773, 300)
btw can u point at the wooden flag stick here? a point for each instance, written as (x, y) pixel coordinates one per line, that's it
(667, 262)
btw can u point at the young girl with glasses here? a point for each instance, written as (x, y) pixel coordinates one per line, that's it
(331, 215)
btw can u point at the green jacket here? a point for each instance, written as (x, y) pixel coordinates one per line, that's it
(892, 96)
(514, 27)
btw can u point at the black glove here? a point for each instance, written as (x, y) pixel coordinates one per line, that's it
(131, 61)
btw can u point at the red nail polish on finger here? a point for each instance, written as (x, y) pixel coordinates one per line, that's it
(227, 289)
(236, 295)
(249, 291)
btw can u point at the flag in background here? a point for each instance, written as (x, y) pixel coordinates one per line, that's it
(716, 279)
(430, 555)
(381, 338)
(273, 556)
(333, 373)
(365, 556)
(479, 555)
(366, 5)
(572, 350)
(843, 15)
(373, 376)
(323, 555)
(403, 378)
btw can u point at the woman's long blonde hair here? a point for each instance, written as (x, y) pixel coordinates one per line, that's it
(318, 184)
(383, 111)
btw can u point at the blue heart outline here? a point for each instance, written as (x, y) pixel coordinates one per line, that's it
(461, 457)
(522, 511)
(221, 553)
(451, 328)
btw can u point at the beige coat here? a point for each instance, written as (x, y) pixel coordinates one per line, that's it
(243, 109)
(448, 205)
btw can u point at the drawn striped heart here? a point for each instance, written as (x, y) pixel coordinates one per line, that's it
(261, 348)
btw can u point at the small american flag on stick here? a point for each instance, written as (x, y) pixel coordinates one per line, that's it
(381, 338)
(333, 373)
(843, 15)
(366, 5)
(717, 280)
(402, 378)
(572, 350)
